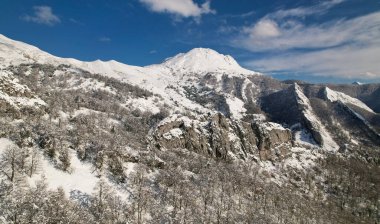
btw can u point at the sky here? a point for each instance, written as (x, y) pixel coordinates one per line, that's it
(313, 40)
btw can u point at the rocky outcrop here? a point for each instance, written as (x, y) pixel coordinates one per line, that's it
(274, 141)
(220, 137)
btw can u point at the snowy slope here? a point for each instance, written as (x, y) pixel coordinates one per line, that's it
(328, 142)
(15, 52)
(334, 96)
(80, 179)
(15, 94)
(167, 79)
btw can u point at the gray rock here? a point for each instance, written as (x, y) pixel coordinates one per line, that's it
(221, 137)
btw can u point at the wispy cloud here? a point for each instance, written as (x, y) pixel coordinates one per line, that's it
(305, 11)
(227, 29)
(345, 48)
(179, 8)
(42, 15)
(241, 15)
(76, 22)
(104, 39)
(348, 62)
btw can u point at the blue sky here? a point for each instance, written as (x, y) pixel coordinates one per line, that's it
(312, 40)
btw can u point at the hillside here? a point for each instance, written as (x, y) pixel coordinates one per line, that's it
(195, 139)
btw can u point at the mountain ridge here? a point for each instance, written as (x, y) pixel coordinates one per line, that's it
(200, 60)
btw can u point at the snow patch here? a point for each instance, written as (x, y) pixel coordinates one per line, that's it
(82, 177)
(89, 84)
(177, 117)
(174, 133)
(4, 143)
(84, 111)
(236, 107)
(301, 158)
(334, 96)
(305, 138)
(144, 104)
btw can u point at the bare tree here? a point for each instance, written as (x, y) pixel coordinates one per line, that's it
(65, 159)
(34, 162)
(10, 162)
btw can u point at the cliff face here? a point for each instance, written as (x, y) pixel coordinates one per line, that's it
(218, 136)
(274, 141)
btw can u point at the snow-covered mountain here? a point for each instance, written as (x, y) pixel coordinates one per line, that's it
(162, 132)
(198, 60)
(197, 82)
(182, 70)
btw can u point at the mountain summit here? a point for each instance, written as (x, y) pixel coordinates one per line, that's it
(204, 60)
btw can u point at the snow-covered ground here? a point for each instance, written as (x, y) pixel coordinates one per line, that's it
(334, 96)
(328, 142)
(89, 85)
(81, 178)
(15, 94)
(4, 143)
(236, 107)
(302, 158)
(305, 138)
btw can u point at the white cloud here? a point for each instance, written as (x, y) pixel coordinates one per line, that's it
(345, 48)
(268, 35)
(181, 8)
(264, 28)
(43, 15)
(282, 30)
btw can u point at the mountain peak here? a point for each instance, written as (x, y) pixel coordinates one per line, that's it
(204, 60)
(357, 83)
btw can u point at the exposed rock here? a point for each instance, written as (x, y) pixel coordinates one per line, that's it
(221, 137)
(273, 140)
